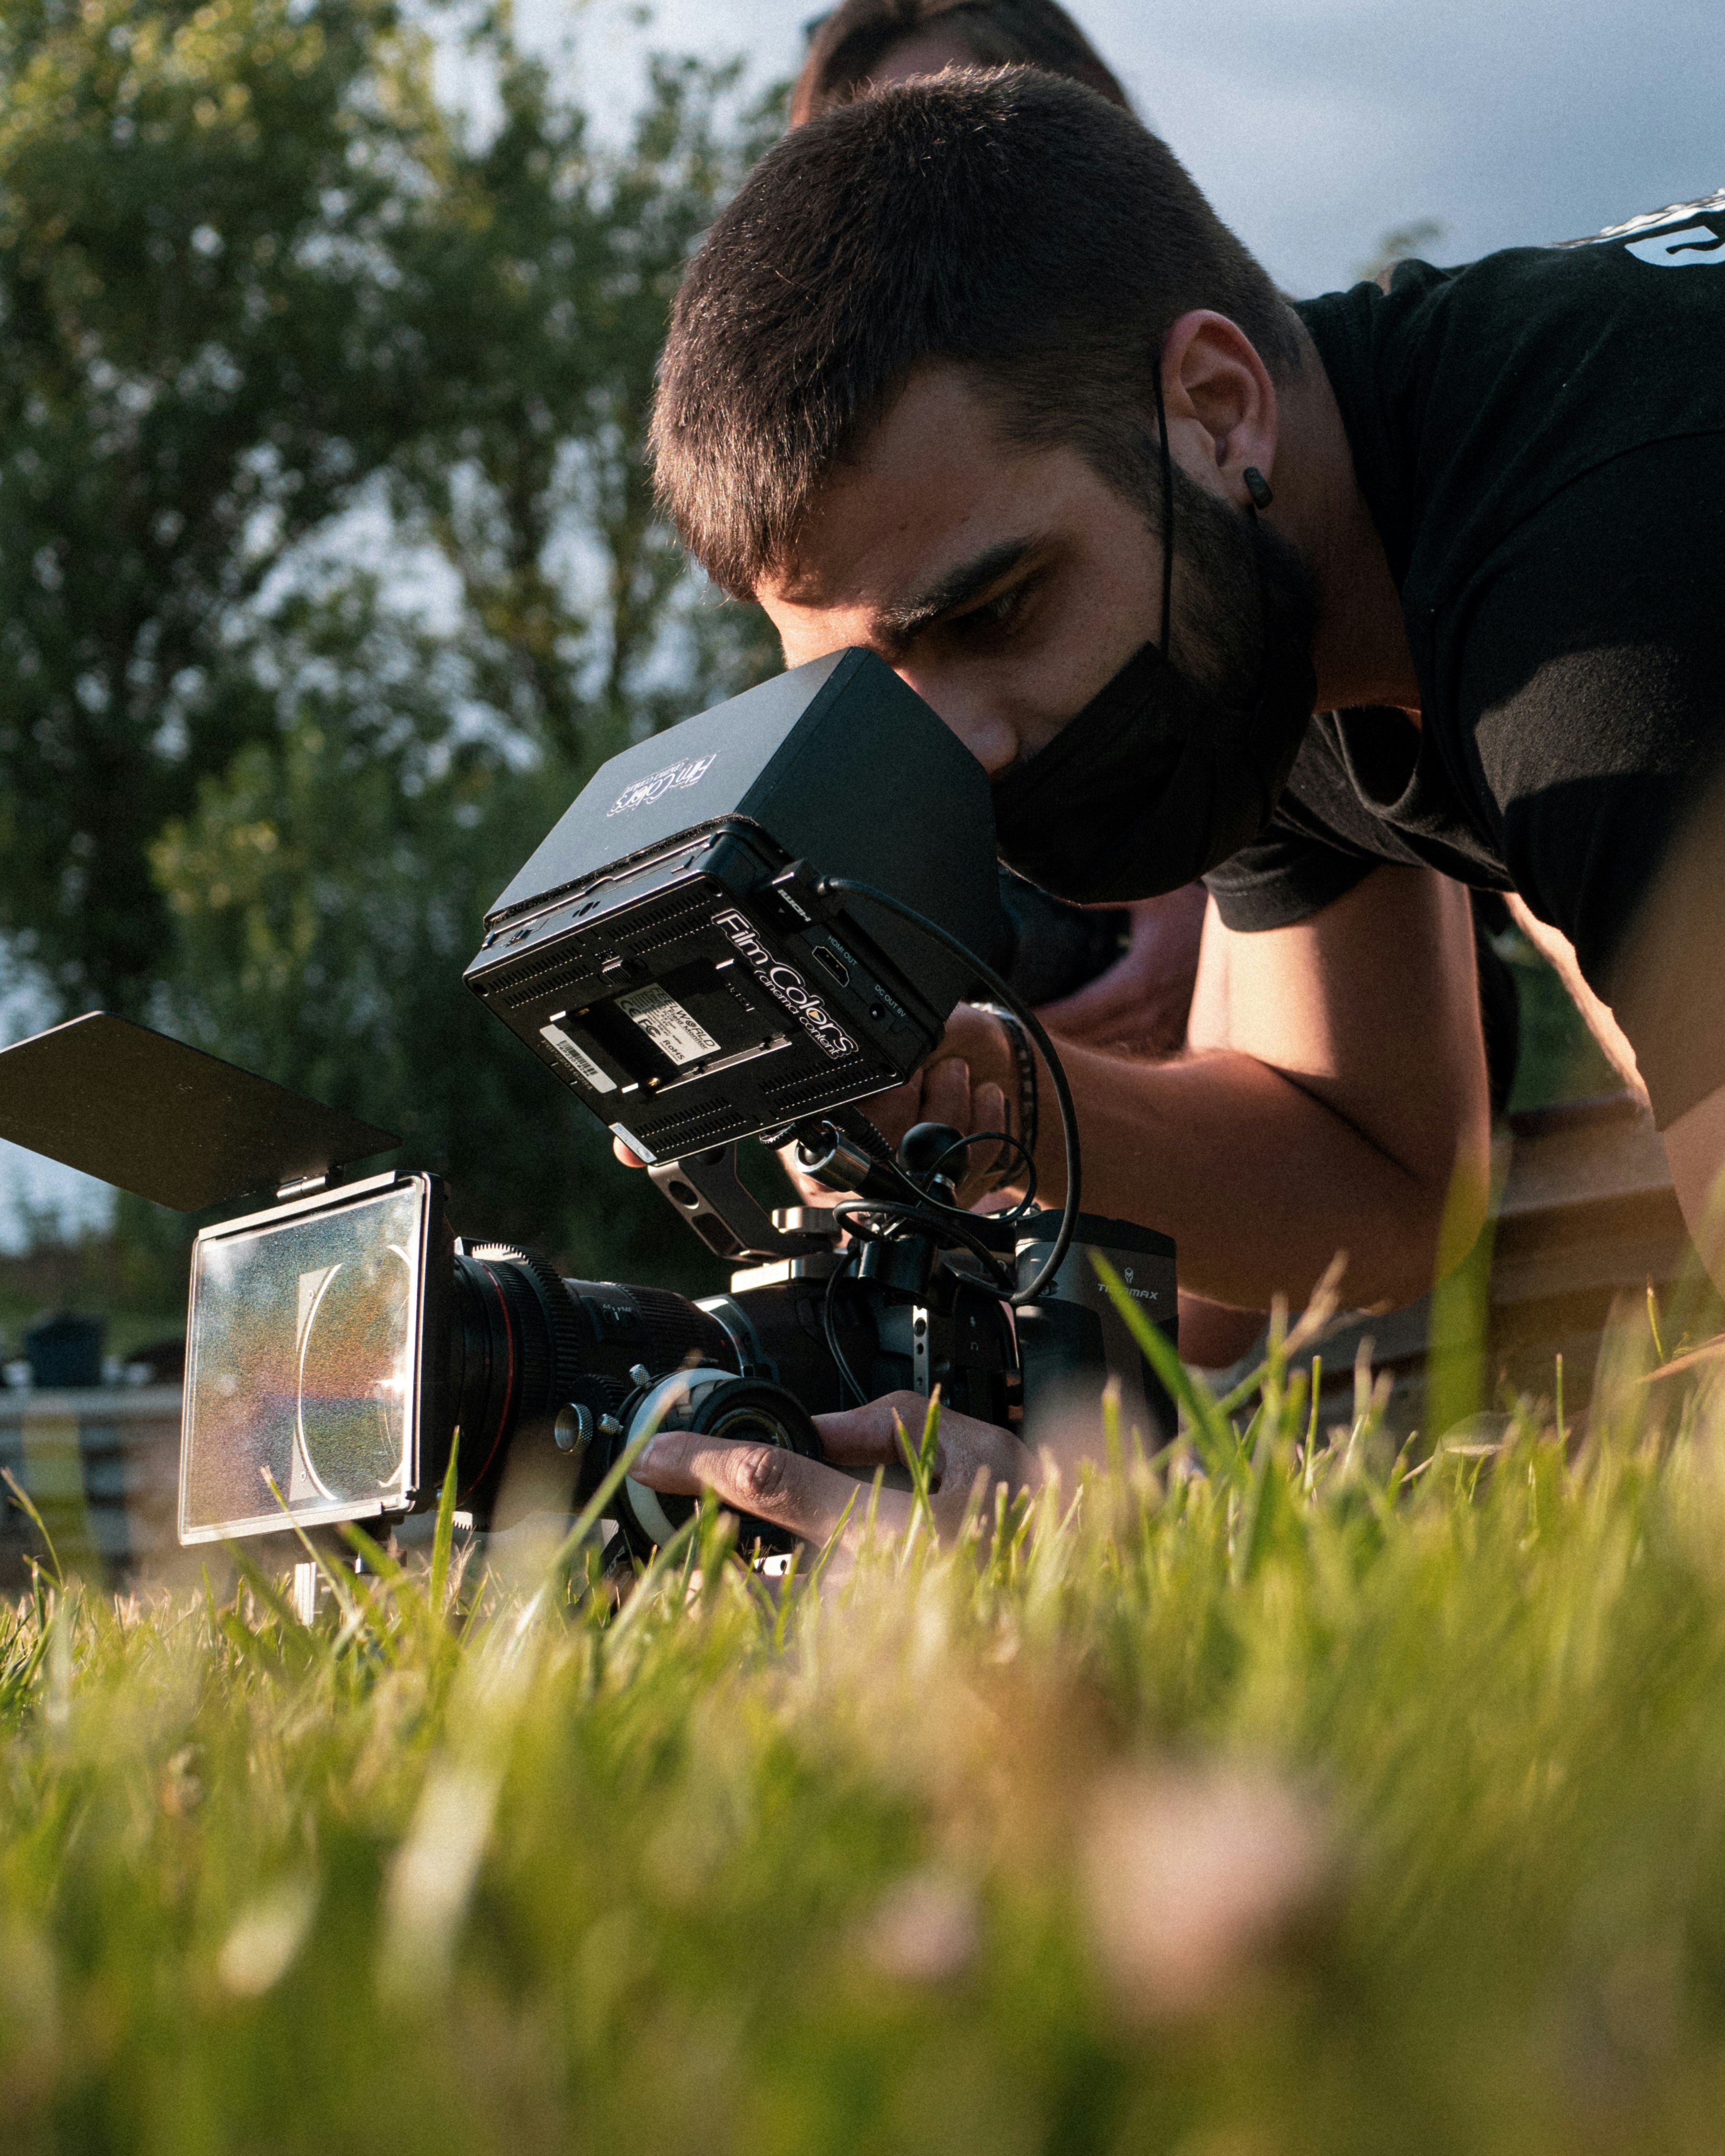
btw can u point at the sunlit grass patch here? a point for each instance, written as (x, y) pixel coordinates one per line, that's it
(1268, 1792)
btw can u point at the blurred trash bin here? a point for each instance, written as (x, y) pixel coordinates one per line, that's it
(65, 1352)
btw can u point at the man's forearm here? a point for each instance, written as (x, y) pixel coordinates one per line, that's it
(1259, 1182)
(1694, 1147)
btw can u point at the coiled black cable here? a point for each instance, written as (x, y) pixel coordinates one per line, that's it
(849, 887)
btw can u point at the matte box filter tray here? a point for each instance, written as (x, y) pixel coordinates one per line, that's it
(665, 951)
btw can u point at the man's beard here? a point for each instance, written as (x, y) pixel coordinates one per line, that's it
(1177, 761)
(1242, 594)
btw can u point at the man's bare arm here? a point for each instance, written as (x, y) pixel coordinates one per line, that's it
(1333, 1098)
(1695, 1148)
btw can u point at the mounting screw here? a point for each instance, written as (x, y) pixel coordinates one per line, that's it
(572, 1430)
(639, 1374)
(609, 1426)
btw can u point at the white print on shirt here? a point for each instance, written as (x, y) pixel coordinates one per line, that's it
(1695, 246)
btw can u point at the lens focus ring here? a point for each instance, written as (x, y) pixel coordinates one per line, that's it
(713, 1404)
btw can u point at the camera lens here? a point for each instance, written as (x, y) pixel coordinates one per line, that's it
(525, 1344)
(751, 1413)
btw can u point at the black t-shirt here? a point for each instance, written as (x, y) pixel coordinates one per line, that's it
(1540, 438)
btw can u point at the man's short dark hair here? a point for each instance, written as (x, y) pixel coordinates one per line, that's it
(1005, 221)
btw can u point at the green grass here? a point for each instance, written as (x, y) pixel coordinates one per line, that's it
(1267, 1796)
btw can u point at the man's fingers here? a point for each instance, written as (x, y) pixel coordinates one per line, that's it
(988, 1112)
(989, 1104)
(946, 1094)
(779, 1486)
(812, 1499)
(628, 1159)
(867, 1436)
(893, 1113)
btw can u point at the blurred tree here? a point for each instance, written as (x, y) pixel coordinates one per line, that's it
(271, 320)
(250, 271)
(543, 282)
(1402, 243)
(199, 360)
(327, 892)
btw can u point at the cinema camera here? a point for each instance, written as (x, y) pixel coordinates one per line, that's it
(742, 928)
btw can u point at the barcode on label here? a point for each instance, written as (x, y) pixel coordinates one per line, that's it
(668, 1025)
(577, 1058)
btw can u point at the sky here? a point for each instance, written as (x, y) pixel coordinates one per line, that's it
(1315, 126)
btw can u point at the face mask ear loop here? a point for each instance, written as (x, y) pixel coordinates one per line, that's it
(1251, 510)
(1168, 510)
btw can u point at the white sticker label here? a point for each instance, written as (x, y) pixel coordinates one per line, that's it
(668, 1025)
(577, 1058)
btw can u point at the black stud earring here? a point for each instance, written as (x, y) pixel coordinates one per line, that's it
(1257, 486)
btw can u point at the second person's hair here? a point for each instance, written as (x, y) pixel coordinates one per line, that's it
(849, 44)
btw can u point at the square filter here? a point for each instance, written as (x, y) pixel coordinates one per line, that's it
(304, 1362)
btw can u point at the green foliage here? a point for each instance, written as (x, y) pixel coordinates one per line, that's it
(1402, 243)
(1267, 1795)
(542, 281)
(282, 340)
(327, 894)
(198, 361)
(1560, 1060)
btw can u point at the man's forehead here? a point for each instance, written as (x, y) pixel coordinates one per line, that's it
(900, 600)
(934, 491)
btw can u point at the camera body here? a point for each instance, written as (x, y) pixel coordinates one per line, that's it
(338, 1342)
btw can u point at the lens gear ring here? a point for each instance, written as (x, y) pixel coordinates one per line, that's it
(549, 1373)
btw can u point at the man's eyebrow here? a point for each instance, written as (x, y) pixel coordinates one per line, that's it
(899, 623)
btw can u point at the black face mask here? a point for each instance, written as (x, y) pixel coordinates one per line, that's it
(1157, 780)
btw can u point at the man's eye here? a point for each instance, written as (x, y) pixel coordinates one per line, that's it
(991, 614)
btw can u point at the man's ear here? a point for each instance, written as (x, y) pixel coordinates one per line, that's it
(1221, 404)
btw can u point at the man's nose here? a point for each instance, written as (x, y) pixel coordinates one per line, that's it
(989, 736)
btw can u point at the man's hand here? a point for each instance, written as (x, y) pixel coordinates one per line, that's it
(811, 1499)
(967, 1084)
(1139, 1006)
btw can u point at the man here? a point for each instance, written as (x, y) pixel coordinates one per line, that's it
(970, 374)
(1140, 1004)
